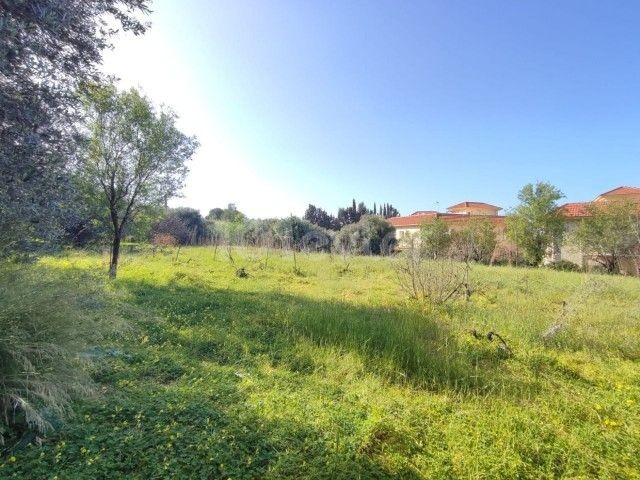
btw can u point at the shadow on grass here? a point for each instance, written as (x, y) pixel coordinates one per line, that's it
(400, 345)
(191, 431)
(171, 415)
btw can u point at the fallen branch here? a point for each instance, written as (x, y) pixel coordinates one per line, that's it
(490, 336)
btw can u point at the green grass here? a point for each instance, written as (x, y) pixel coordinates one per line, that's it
(328, 373)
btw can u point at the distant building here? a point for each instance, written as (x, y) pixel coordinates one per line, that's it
(474, 208)
(576, 211)
(456, 216)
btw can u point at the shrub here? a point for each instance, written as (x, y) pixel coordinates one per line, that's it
(186, 225)
(434, 280)
(46, 320)
(171, 226)
(372, 235)
(196, 225)
(476, 241)
(164, 240)
(435, 238)
(564, 266)
(300, 234)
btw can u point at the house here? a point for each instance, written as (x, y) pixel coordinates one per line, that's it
(474, 208)
(456, 216)
(576, 211)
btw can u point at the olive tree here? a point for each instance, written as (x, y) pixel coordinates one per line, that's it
(135, 156)
(535, 223)
(47, 48)
(371, 235)
(435, 238)
(608, 233)
(476, 241)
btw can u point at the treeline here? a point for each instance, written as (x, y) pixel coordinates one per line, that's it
(370, 234)
(347, 215)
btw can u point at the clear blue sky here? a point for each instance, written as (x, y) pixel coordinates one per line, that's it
(422, 104)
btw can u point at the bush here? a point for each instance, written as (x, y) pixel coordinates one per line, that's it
(435, 238)
(434, 280)
(564, 266)
(300, 234)
(46, 320)
(261, 233)
(164, 240)
(186, 225)
(476, 241)
(171, 230)
(372, 235)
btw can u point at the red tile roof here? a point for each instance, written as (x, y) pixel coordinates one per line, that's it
(417, 219)
(411, 220)
(575, 209)
(622, 191)
(424, 212)
(473, 204)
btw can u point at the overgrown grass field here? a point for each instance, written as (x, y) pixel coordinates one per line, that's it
(332, 372)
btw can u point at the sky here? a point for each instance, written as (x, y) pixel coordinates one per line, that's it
(422, 104)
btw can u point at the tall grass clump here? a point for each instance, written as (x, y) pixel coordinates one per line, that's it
(400, 344)
(46, 319)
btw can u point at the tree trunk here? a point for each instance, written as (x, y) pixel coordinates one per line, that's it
(115, 254)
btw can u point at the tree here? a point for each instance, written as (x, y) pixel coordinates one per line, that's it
(215, 214)
(135, 156)
(370, 236)
(300, 234)
(195, 223)
(435, 238)
(229, 214)
(186, 224)
(348, 215)
(320, 217)
(232, 214)
(353, 213)
(171, 230)
(390, 211)
(47, 48)
(140, 230)
(436, 281)
(608, 233)
(535, 224)
(232, 232)
(476, 241)
(636, 232)
(362, 210)
(261, 233)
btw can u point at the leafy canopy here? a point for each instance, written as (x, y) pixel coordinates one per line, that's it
(435, 238)
(47, 49)
(609, 232)
(372, 235)
(476, 241)
(136, 157)
(535, 223)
